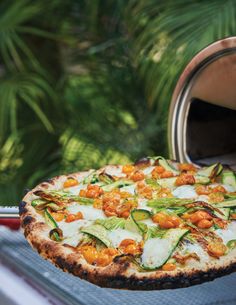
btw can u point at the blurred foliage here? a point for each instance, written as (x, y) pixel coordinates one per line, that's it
(85, 83)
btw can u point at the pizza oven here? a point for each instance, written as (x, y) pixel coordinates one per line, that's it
(202, 118)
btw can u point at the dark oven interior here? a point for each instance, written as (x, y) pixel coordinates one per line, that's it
(211, 131)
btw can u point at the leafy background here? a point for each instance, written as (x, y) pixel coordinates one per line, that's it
(85, 83)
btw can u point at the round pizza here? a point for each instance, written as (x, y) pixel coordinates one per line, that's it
(154, 224)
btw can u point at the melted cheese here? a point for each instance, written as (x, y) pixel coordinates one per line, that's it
(148, 170)
(149, 222)
(116, 236)
(196, 248)
(76, 189)
(72, 228)
(227, 234)
(89, 212)
(155, 250)
(115, 171)
(142, 204)
(203, 198)
(185, 191)
(130, 189)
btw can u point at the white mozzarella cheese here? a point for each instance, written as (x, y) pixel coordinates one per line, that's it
(142, 204)
(148, 170)
(149, 222)
(76, 189)
(116, 236)
(89, 212)
(203, 198)
(72, 228)
(73, 240)
(227, 234)
(155, 250)
(185, 191)
(115, 171)
(129, 188)
(196, 248)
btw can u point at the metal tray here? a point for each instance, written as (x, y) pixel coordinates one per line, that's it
(15, 251)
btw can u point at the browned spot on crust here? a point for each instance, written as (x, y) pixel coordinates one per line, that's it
(22, 208)
(27, 220)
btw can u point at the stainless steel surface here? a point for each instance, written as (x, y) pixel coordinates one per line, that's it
(16, 253)
(9, 212)
(210, 77)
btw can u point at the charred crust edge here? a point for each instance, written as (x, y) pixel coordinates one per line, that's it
(22, 208)
(27, 220)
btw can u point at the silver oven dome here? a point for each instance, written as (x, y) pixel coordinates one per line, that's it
(202, 119)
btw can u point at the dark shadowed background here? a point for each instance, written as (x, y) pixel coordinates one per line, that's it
(85, 83)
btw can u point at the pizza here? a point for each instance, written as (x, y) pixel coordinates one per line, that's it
(154, 224)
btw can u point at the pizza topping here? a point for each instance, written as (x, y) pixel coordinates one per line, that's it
(146, 214)
(98, 232)
(211, 171)
(58, 216)
(166, 221)
(130, 246)
(89, 212)
(93, 191)
(56, 234)
(216, 249)
(186, 167)
(167, 166)
(118, 235)
(184, 179)
(182, 259)
(143, 162)
(231, 244)
(228, 178)
(73, 217)
(70, 182)
(137, 176)
(89, 252)
(157, 251)
(169, 267)
(184, 191)
(100, 258)
(128, 169)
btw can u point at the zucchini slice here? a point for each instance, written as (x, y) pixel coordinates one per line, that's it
(39, 204)
(225, 213)
(201, 179)
(140, 214)
(167, 166)
(111, 223)
(53, 234)
(228, 178)
(168, 202)
(211, 171)
(157, 251)
(231, 244)
(49, 219)
(99, 232)
(229, 203)
(105, 178)
(137, 215)
(167, 182)
(116, 184)
(91, 178)
(153, 183)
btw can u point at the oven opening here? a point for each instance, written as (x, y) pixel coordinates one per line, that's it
(211, 131)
